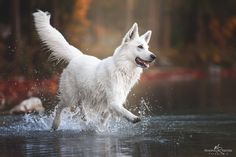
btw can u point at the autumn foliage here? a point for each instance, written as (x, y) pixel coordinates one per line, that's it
(81, 11)
(222, 32)
(14, 90)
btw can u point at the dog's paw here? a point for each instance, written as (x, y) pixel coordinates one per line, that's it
(52, 130)
(136, 120)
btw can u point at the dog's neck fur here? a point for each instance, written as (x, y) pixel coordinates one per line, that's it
(120, 58)
(126, 69)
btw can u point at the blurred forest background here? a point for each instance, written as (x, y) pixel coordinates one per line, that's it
(190, 33)
(196, 34)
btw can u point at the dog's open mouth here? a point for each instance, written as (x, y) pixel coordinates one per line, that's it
(142, 63)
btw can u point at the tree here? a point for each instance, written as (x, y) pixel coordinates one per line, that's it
(167, 24)
(15, 29)
(154, 21)
(130, 11)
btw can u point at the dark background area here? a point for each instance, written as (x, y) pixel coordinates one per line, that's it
(186, 33)
(193, 39)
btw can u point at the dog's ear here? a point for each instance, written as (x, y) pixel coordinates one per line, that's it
(131, 34)
(147, 36)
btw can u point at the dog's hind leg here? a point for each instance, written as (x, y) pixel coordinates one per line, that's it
(105, 117)
(73, 108)
(57, 118)
(80, 113)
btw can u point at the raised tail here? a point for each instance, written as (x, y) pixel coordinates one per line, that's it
(53, 39)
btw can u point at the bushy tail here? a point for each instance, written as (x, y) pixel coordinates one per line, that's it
(53, 39)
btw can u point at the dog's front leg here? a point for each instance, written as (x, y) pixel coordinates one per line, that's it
(126, 114)
(115, 99)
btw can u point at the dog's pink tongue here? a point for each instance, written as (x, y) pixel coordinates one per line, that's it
(145, 63)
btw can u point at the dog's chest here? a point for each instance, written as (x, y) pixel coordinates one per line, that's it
(125, 81)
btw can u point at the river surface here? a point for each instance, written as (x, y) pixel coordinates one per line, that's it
(179, 119)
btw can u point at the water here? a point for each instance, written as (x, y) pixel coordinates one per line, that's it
(180, 135)
(175, 123)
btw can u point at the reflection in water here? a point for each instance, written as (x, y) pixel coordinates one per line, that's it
(170, 136)
(187, 97)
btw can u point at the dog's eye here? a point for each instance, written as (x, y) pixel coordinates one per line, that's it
(140, 46)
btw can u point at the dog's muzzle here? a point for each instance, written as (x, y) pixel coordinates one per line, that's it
(144, 63)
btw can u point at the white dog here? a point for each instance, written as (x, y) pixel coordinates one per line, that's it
(89, 82)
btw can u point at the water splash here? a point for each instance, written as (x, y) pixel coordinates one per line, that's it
(71, 121)
(144, 109)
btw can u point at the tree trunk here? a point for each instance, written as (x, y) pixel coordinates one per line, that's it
(154, 21)
(98, 21)
(167, 24)
(15, 30)
(200, 37)
(129, 11)
(30, 22)
(55, 14)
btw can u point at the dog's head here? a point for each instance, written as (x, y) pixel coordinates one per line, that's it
(136, 47)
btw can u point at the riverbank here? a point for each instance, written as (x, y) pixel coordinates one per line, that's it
(15, 89)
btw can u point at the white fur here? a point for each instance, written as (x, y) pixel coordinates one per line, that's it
(53, 39)
(102, 85)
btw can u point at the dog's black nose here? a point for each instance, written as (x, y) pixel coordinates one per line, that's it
(153, 56)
